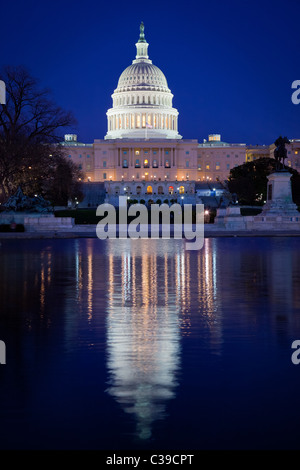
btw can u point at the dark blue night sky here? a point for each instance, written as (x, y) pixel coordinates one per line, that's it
(230, 64)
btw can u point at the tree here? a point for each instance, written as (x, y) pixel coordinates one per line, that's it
(31, 127)
(249, 181)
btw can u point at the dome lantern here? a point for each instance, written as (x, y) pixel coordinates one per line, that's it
(142, 47)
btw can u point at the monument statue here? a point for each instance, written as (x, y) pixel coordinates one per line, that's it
(280, 152)
(142, 33)
(19, 202)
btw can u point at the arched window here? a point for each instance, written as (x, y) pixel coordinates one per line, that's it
(125, 163)
(146, 163)
(138, 190)
(117, 190)
(149, 189)
(160, 190)
(181, 190)
(137, 163)
(167, 164)
(154, 163)
(171, 190)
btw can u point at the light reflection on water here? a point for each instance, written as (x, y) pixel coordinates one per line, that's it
(158, 317)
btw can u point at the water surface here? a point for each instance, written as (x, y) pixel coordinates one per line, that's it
(127, 344)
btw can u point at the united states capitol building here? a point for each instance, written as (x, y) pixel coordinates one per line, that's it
(143, 154)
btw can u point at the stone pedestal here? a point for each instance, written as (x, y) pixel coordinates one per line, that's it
(233, 218)
(279, 196)
(219, 219)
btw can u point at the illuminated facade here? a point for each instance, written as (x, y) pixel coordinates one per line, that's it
(142, 143)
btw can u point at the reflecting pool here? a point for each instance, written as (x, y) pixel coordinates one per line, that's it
(141, 344)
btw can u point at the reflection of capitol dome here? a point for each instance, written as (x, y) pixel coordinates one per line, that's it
(142, 101)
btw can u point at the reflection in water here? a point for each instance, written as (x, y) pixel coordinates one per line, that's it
(155, 320)
(149, 308)
(143, 340)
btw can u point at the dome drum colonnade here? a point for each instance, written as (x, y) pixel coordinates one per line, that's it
(142, 101)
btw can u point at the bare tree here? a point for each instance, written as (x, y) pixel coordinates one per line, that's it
(31, 127)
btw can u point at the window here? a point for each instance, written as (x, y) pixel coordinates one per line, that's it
(171, 190)
(137, 152)
(104, 152)
(70, 156)
(154, 152)
(88, 167)
(149, 189)
(88, 156)
(181, 190)
(154, 163)
(160, 190)
(104, 163)
(125, 163)
(167, 152)
(167, 164)
(207, 166)
(104, 176)
(199, 167)
(80, 166)
(217, 165)
(137, 163)
(80, 156)
(228, 156)
(187, 153)
(138, 190)
(146, 163)
(227, 166)
(187, 164)
(125, 152)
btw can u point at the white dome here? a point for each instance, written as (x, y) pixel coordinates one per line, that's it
(142, 75)
(142, 101)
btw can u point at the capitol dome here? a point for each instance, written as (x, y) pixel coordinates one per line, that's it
(142, 101)
(143, 74)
